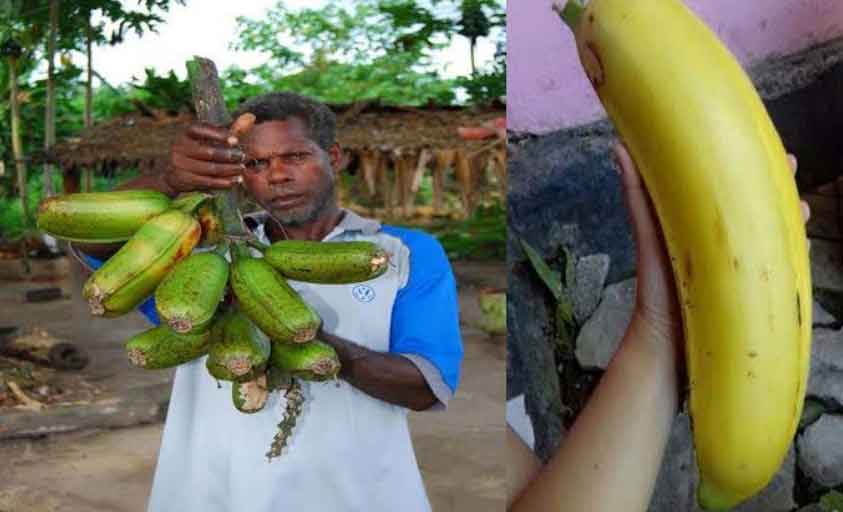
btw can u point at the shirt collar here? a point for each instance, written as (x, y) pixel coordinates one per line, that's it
(350, 222)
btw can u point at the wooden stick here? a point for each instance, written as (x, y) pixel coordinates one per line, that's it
(444, 160)
(26, 402)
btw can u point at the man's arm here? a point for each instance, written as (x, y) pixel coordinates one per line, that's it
(388, 377)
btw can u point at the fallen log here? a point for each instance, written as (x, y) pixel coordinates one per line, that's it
(42, 348)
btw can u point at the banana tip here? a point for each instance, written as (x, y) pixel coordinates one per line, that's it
(712, 498)
(137, 357)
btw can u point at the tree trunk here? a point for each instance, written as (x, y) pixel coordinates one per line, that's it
(444, 161)
(50, 110)
(473, 67)
(17, 147)
(89, 95)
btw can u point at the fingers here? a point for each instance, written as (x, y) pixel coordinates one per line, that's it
(641, 212)
(186, 181)
(207, 132)
(806, 210)
(240, 127)
(202, 151)
(184, 163)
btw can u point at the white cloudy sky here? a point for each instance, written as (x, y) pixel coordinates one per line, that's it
(207, 27)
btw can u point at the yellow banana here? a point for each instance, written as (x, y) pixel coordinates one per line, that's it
(719, 178)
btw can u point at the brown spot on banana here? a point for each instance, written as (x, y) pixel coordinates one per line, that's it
(798, 309)
(689, 266)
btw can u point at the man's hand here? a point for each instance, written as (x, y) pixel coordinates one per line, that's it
(207, 157)
(657, 305)
(388, 377)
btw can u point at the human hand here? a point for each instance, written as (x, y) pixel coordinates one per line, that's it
(207, 157)
(656, 303)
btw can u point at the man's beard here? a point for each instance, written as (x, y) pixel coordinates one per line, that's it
(305, 213)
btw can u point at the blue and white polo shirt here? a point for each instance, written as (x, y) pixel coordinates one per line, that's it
(349, 451)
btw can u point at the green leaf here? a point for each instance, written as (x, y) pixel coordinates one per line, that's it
(564, 343)
(551, 278)
(811, 412)
(832, 502)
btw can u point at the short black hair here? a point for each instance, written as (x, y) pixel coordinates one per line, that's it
(280, 106)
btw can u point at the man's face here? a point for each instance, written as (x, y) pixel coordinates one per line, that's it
(288, 173)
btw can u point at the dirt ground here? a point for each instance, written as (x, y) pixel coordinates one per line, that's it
(93, 469)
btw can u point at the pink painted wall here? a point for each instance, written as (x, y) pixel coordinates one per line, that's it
(547, 90)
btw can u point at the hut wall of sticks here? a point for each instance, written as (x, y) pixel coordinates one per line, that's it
(391, 151)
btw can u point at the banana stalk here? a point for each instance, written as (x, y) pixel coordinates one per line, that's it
(727, 202)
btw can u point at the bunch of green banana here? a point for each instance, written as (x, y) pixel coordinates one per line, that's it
(264, 342)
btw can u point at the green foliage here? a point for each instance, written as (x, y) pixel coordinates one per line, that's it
(164, 92)
(480, 237)
(474, 23)
(832, 502)
(375, 50)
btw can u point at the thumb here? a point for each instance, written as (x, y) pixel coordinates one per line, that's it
(642, 215)
(240, 127)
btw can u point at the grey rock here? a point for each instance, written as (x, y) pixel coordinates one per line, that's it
(589, 277)
(813, 507)
(826, 378)
(826, 267)
(678, 478)
(821, 317)
(821, 452)
(827, 349)
(599, 338)
(826, 385)
(778, 495)
(563, 191)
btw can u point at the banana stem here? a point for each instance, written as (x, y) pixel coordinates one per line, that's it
(256, 244)
(239, 250)
(571, 12)
(222, 248)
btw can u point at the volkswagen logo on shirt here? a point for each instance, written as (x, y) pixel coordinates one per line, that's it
(363, 293)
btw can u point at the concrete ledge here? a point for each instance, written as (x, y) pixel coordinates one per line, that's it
(141, 406)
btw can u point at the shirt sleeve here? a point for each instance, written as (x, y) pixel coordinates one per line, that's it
(425, 318)
(148, 306)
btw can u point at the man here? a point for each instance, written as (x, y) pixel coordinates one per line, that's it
(397, 337)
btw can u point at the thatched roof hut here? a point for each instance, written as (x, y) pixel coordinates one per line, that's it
(406, 140)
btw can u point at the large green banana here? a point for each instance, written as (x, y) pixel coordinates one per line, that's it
(100, 217)
(131, 275)
(327, 262)
(239, 351)
(188, 297)
(727, 202)
(314, 360)
(160, 347)
(270, 302)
